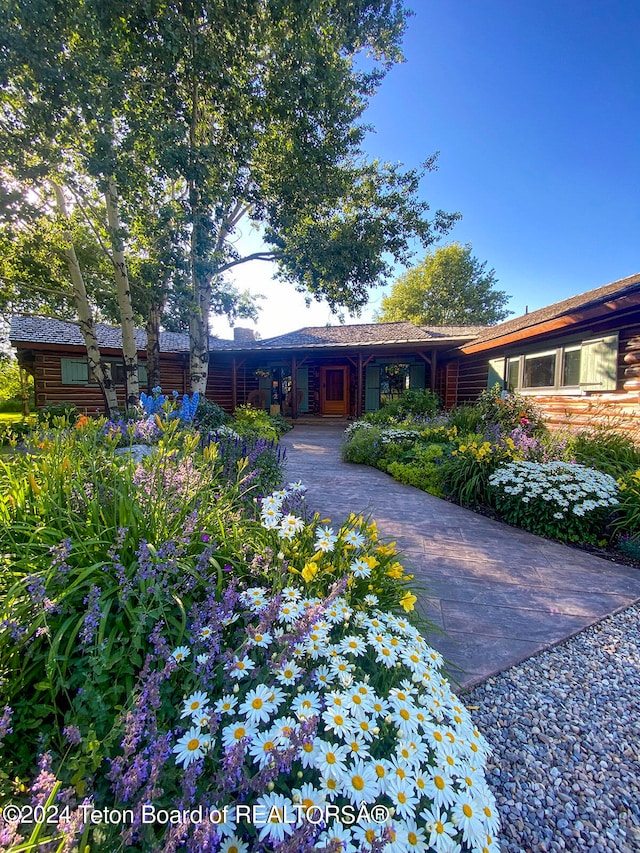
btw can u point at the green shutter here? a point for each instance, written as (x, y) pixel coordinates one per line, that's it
(372, 388)
(142, 376)
(496, 372)
(416, 377)
(75, 371)
(599, 364)
(302, 380)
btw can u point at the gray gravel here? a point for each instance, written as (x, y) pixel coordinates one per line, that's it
(565, 730)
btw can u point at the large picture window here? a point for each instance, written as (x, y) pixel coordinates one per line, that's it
(539, 370)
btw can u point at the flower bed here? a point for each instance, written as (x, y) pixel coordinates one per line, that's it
(176, 634)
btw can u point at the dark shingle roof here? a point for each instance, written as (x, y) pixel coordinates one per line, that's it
(369, 333)
(44, 330)
(558, 309)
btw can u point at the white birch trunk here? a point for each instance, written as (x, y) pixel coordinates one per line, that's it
(129, 346)
(98, 368)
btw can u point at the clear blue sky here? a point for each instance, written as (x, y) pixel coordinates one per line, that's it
(535, 109)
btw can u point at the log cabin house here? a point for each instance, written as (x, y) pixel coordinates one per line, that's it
(580, 359)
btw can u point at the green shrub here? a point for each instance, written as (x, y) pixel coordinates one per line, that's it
(605, 450)
(209, 415)
(55, 412)
(423, 475)
(555, 499)
(628, 516)
(248, 421)
(363, 444)
(411, 404)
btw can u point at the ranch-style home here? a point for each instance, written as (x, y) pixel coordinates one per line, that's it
(580, 359)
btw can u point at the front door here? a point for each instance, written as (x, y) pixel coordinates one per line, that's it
(334, 396)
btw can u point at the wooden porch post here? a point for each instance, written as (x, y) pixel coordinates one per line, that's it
(234, 385)
(359, 400)
(294, 387)
(432, 377)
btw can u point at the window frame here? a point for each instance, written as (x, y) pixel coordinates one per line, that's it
(558, 388)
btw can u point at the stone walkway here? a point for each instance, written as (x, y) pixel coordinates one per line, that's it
(498, 593)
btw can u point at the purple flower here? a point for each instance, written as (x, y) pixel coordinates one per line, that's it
(72, 734)
(92, 617)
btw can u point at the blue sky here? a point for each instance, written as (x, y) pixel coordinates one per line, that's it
(535, 110)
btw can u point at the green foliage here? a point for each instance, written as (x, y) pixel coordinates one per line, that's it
(209, 415)
(411, 404)
(422, 474)
(248, 421)
(510, 411)
(60, 414)
(627, 519)
(450, 287)
(466, 418)
(606, 450)
(466, 472)
(363, 444)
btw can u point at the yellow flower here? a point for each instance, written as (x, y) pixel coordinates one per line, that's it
(463, 448)
(395, 571)
(310, 571)
(66, 464)
(371, 562)
(408, 601)
(34, 485)
(373, 531)
(387, 550)
(159, 422)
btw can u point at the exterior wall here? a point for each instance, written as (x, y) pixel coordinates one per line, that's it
(619, 409)
(50, 390)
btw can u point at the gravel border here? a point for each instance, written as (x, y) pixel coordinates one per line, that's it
(565, 731)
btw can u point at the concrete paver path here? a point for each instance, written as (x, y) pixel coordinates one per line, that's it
(499, 594)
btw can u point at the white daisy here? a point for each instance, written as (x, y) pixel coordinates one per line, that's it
(181, 653)
(330, 759)
(289, 673)
(194, 704)
(236, 732)
(359, 782)
(226, 704)
(190, 746)
(257, 707)
(279, 817)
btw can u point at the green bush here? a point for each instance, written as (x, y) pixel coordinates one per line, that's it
(209, 416)
(628, 516)
(248, 421)
(559, 500)
(605, 450)
(363, 444)
(419, 404)
(423, 475)
(467, 470)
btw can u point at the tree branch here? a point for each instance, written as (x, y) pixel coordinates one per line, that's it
(92, 225)
(257, 256)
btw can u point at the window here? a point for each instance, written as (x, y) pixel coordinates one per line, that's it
(75, 371)
(590, 365)
(571, 366)
(539, 370)
(394, 379)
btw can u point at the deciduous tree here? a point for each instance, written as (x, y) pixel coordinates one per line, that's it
(449, 288)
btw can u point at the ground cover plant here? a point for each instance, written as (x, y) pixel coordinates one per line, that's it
(181, 632)
(497, 456)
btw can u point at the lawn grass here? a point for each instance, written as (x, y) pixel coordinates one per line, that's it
(10, 417)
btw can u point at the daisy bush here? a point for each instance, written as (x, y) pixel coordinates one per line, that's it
(285, 720)
(559, 499)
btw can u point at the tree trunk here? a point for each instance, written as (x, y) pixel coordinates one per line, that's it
(24, 391)
(198, 327)
(129, 346)
(153, 345)
(98, 368)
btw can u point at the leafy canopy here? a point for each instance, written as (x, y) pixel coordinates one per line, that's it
(450, 287)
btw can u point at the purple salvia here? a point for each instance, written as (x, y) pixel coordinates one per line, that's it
(92, 617)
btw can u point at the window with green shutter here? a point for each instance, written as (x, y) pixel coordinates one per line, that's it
(372, 388)
(496, 372)
(599, 364)
(75, 371)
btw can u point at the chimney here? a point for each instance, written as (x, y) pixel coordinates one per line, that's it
(243, 335)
